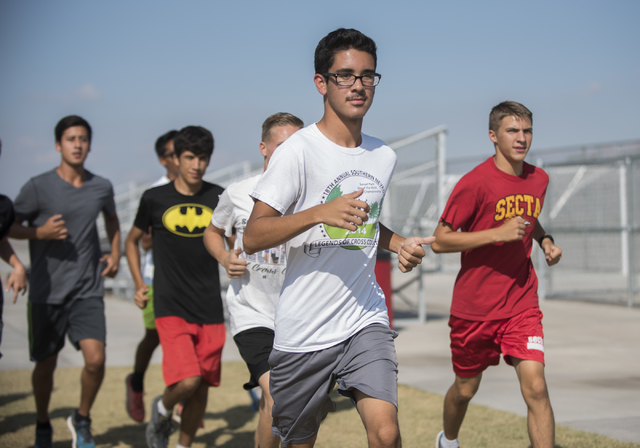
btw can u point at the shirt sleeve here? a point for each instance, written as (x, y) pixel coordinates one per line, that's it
(223, 216)
(280, 185)
(109, 207)
(143, 217)
(26, 203)
(461, 204)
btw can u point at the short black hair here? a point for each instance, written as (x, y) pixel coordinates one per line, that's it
(196, 139)
(69, 122)
(163, 140)
(340, 40)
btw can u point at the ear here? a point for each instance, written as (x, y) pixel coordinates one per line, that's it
(321, 83)
(58, 147)
(263, 149)
(492, 136)
(176, 159)
(162, 161)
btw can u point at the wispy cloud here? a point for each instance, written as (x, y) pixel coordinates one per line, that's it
(85, 92)
(590, 89)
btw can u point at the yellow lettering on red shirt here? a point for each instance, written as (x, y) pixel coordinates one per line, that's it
(529, 200)
(500, 211)
(510, 208)
(519, 209)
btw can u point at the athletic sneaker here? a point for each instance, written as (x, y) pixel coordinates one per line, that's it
(44, 437)
(439, 438)
(159, 428)
(135, 405)
(80, 431)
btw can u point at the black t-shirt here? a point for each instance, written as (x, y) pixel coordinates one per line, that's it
(186, 282)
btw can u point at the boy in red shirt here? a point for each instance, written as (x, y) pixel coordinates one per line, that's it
(495, 301)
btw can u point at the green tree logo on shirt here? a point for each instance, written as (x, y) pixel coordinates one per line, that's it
(368, 230)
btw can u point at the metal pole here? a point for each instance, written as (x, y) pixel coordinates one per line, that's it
(441, 156)
(542, 262)
(629, 230)
(624, 219)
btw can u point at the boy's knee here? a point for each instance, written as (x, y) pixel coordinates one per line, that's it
(465, 390)
(386, 435)
(192, 383)
(94, 362)
(535, 389)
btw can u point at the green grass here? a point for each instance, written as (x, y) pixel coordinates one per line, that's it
(229, 422)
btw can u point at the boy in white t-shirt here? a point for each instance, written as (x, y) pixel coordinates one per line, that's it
(322, 195)
(256, 280)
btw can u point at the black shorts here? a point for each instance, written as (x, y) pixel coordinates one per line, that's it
(255, 345)
(48, 325)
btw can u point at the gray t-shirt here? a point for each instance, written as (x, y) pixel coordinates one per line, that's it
(69, 268)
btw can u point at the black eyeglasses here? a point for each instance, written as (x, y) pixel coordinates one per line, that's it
(168, 155)
(349, 79)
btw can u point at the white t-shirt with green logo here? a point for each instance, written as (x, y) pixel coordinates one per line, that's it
(330, 291)
(251, 299)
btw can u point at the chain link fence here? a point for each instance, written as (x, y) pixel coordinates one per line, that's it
(592, 209)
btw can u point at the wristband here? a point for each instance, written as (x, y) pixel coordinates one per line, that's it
(546, 236)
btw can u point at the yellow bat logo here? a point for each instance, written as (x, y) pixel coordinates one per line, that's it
(187, 219)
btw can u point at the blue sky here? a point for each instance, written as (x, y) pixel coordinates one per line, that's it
(137, 69)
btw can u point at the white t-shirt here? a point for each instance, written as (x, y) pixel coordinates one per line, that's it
(252, 298)
(147, 264)
(330, 290)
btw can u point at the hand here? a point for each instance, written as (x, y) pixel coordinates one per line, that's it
(346, 212)
(113, 262)
(512, 229)
(53, 229)
(552, 253)
(234, 266)
(18, 281)
(141, 298)
(411, 252)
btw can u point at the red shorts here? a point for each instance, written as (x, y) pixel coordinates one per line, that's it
(190, 350)
(476, 345)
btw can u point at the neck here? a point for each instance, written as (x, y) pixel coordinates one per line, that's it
(185, 188)
(75, 175)
(513, 168)
(171, 176)
(341, 131)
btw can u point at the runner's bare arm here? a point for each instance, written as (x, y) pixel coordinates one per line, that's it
(267, 228)
(214, 242)
(112, 226)
(52, 229)
(410, 251)
(449, 240)
(18, 277)
(552, 253)
(132, 251)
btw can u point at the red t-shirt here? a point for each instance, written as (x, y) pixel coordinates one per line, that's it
(496, 281)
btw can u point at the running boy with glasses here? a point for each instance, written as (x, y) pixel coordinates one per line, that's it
(321, 195)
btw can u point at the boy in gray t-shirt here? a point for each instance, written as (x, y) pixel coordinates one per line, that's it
(65, 295)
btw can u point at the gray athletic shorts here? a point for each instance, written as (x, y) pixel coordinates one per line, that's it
(301, 382)
(48, 325)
